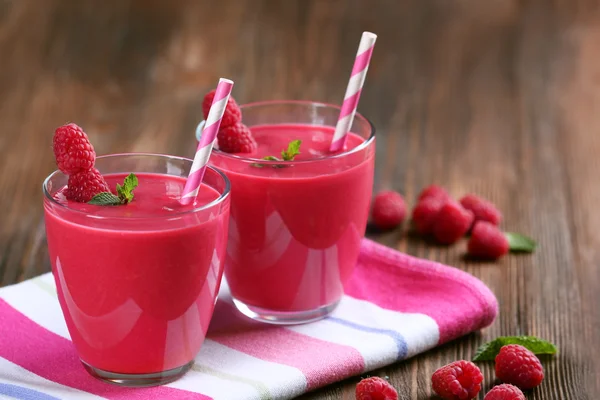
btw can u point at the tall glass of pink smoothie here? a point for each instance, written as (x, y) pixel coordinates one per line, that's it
(137, 283)
(296, 226)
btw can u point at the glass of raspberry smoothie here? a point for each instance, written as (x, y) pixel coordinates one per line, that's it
(137, 283)
(295, 226)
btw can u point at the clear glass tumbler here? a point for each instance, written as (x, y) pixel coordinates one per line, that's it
(296, 226)
(138, 290)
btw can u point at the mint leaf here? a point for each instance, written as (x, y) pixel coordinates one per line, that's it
(490, 350)
(292, 151)
(518, 242)
(125, 191)
(105, 199)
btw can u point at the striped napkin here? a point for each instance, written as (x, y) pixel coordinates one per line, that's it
(396, 306)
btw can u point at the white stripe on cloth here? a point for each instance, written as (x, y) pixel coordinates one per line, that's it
(381, 336)
(36, 299)
(13, 374)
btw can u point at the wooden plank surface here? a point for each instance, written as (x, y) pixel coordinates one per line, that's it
(497, 97)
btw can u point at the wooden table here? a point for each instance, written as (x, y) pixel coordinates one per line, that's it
(496, 97)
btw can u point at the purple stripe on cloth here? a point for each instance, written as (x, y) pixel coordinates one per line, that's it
(457, 301)
(23, 393)
(362, 61)
(53, 357)
(396, 337)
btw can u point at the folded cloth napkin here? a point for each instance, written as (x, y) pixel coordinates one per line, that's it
(395, 306)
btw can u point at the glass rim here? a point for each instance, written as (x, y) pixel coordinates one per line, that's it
(222, 196)
(356, 149)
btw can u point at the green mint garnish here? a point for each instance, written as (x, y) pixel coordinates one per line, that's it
(105, 199)
(124, 192)
(518, 242)
(292, 151)
(490, 350)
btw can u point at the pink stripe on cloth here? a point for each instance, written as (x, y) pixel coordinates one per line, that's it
(350, 104)
(27, 344)
(457, 301)
(283, 346)
(362, 61)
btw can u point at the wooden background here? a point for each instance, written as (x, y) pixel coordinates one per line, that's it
(498, 97)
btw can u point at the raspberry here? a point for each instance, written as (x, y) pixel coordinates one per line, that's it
(388, 209)
(482, 209)
(434, 191)
(425, 213)
(505, 392)
(460, 380)
(375, 388)
(517, 365)
(487, 241)
(84, 185)
(72, 149)
(232, 113)
(451, 222)
(236, 138)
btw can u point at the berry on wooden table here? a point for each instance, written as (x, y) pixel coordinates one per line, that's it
(434, 191)
(505, 392)
(487, 241)
(232, 114)
(452, 222)
(84, 185)
(482, 209)
(460, 380)
(375, 388)
(519, 366)
(425, 213)
(72, 149)
(236, 138)
(388, 209)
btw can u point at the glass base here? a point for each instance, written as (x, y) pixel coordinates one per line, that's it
(284, 317)
(139, 380)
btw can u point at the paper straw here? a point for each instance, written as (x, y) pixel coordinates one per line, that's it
(209, 133)
(357, 80)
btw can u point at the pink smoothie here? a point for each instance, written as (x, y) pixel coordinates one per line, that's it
(137, 283)
(295, 231)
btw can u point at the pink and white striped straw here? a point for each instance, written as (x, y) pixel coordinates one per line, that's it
(357, 80)
(211, 127)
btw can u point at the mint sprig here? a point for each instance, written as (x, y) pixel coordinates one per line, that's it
(124, 193)
(288, 154)
(292, 151)
(490, 350)
(520, 243)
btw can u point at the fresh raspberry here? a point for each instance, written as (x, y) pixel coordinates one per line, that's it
(72, 149)
(482, 209)
(434, 191)
(236, 138)
(425, 213)
(505, 392)
(232, 113)
(517, 365)
(460, 380)
(375, 388)
(487, 241)
(388, 209)
(84, 185)
(451, 222)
